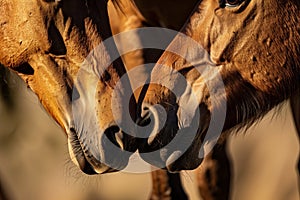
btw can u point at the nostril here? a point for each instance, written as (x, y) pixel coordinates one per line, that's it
(112, 129)
(145, 118)
(152, 121)
(114, 135)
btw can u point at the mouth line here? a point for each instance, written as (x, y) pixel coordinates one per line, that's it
(172, 158)
(81, 156)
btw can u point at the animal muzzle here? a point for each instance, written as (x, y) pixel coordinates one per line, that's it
(170, 144)
(98, 141)
(101, 153)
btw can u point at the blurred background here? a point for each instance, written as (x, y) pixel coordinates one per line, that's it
(35, 164)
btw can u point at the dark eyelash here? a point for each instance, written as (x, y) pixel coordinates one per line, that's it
(224, 3)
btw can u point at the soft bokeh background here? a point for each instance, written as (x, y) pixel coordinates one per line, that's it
(35, 164)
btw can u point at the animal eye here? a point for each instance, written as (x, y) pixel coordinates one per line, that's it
(231, 3)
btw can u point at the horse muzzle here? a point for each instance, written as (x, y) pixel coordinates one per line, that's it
(171, 145)
(102, 153)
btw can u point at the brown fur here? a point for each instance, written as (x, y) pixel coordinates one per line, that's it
(258, 97)
(45, 42)
(257, 46)
(260, 69)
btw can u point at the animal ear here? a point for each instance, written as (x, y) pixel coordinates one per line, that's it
(295, 106)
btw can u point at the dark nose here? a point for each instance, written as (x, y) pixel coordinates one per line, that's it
(145, 118)
(114, 135)
(118, 147)
(122, 140)
(162, 127)
(103, 153)
(152, 120)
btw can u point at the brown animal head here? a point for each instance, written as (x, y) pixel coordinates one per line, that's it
(46, 42)
(253, 45)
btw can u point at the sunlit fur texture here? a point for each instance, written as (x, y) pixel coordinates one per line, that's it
(255, 47)
(46, 42)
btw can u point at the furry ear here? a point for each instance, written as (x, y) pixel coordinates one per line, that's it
(295, 106)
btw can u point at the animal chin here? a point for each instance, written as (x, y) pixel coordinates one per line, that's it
(83, 158)
(179, 161)
(179, 152)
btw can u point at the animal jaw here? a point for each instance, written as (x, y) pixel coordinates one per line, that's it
(46, 43)
(259, 69)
